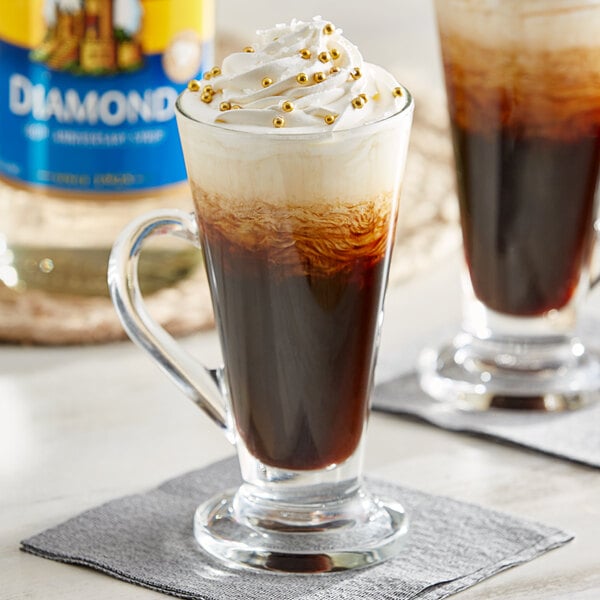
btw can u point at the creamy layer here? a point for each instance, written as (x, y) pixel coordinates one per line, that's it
(302, 76)
(545, 25)
(347, 166)
(535, 69)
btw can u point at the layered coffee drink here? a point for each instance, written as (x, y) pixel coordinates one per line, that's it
(296, 226)
(523, 83)
(300, 293)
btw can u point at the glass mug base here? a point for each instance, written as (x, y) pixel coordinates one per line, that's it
(473, 374)
(351, 532)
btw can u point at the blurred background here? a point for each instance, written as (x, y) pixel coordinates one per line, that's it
(55, 250)
(397, 34)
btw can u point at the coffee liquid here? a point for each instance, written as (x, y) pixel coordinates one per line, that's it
(526, 131)
(299, 292)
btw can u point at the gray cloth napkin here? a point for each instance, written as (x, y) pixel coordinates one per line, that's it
(147, 539)
(574, 435)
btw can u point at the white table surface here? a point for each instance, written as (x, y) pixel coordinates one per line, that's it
(82, 425)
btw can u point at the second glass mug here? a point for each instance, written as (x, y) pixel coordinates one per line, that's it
(296, 231)
(522, 80)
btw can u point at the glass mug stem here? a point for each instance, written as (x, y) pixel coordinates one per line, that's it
(280, 520)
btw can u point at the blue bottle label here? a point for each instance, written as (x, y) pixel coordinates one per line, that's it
(88, 89)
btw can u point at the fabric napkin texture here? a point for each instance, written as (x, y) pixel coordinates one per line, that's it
(573, 435)
(147, 539)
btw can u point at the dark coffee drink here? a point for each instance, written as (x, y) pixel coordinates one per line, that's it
(526, 131)
(522, 79)
(299, 294)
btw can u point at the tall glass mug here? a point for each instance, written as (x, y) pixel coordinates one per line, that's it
(296, 231)
(523, 86)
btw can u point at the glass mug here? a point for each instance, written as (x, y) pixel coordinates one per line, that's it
(522, 80)
(296, 231)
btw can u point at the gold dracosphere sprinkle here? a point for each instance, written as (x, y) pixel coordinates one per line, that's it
(208, 89)
(329, 119)
(287, 106)
(334, 70)
(328, 29)
(215, 71)
(358, 102)
(207, 75)
(266, 82)
(397, 92)
(235, 107)
(364, 97)
(249, 49)
(335, 53)
(356, 74)
(305, 53)
(319, 76)
(206, 97)
(279, 121)
(301, 78)
(324, 57)
(224, 106)
(193, 85)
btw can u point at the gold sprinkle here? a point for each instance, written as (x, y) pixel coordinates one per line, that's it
(319, 77)
(356, 74)
(301, 78)
(208, 89)
(330, 119)
(324, 57)
(206, 97)
(335, 53)
(397, 92)
(328, 29)
(249, 49)
(358, 102)
(224, 106)
(266, 82)
(334, 70)
(215, 71)
(207, 75)
(193, 85)
(305, 53)
(278, 122)
(287, 106)
(364, 97)
(235, 107)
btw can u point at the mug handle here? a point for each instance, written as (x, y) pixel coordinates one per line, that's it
(205, 387)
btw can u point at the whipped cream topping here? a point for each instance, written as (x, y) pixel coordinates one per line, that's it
(303, 76)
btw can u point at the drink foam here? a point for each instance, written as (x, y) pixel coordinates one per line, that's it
(523, 24)
(529, 65)
(261, 191)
